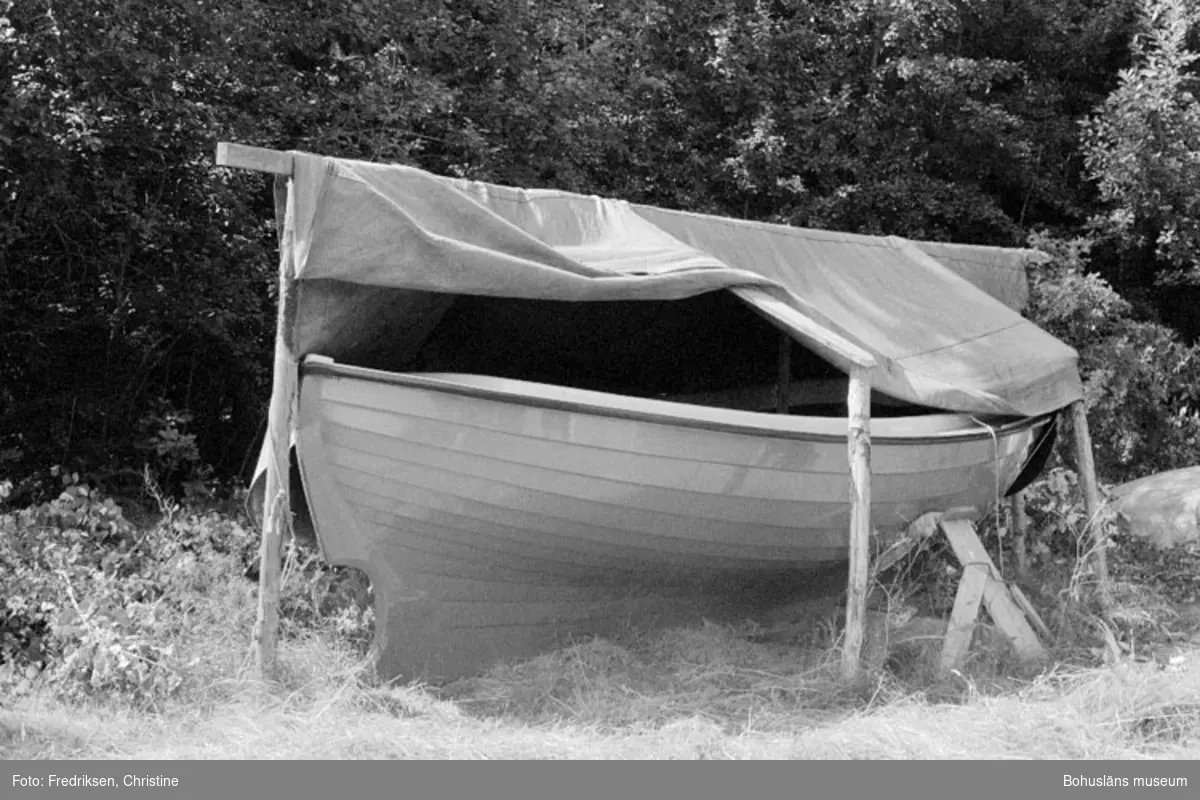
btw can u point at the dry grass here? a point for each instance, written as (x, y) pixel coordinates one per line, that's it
(700, 693)
(769, 690)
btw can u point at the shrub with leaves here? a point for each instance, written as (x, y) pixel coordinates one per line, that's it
(171, 451)
(1060, 530)
(94, 606)
(98, 607)
(1146, 584)
(1141, 383)
(1140, 147)
(315, 596)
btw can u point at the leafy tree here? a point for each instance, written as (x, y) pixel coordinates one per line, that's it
(1142, 147)
(136, 291)
(130, 271)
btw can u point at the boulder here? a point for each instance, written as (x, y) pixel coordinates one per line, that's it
(1164, 509)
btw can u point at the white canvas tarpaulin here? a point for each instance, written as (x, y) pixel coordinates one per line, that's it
(381, 250)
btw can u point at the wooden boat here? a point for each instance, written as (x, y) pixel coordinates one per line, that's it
(529, 415)
(507, 515)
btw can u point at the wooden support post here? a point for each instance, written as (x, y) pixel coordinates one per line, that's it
(1091, 498)
(858, 445)
(276, 503)
(858, 364)
(1020, 526)
(783, 386)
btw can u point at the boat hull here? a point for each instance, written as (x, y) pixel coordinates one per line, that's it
(499, 518)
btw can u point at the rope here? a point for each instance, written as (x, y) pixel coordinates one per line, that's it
(996, 474)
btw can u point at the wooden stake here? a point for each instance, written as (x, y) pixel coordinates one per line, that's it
(276, 503)
(1091, 498)
(783, 386)
(858, 445)
(1020, 524)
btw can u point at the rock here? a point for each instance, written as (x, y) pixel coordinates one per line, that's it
(1164, 509)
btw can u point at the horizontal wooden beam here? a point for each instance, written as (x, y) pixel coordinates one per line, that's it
(258, 159)
(844, 353)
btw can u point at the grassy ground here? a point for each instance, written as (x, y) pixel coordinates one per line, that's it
(699, 693)
(703, 692)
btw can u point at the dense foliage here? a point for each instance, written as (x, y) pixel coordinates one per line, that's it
(1143, 148)
(136, 302)
(1141, 383)
(94, 606)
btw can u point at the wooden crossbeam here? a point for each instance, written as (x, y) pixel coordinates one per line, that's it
(258, 159)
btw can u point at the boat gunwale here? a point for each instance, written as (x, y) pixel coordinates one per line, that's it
(672, 413)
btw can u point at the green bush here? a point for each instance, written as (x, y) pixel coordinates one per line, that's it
(1141, 383)
(96, 607)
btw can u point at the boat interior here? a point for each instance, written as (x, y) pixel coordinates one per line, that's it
(709, 350)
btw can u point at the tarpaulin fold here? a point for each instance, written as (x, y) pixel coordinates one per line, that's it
(380, 249)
